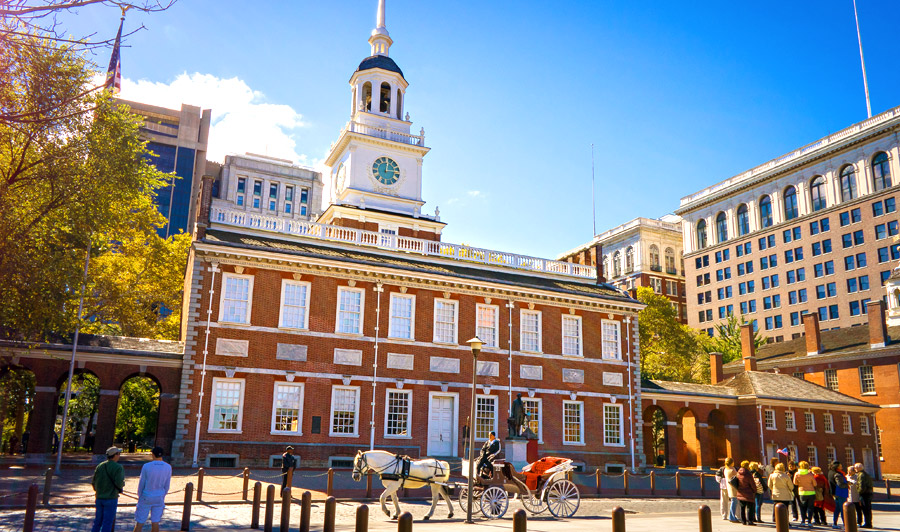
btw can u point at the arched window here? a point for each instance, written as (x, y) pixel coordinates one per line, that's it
(654, 258)
(605, 265)
(385, 98)
(790, 203)
(670, 260)
(367, 96)
(897, 298)
(629, 259)
(817, 193)
(743, 219)
(399, 105)
(765, 212)
(848, 183)
(721, 227)
(617, 264)
(881, 170)
(701, 234)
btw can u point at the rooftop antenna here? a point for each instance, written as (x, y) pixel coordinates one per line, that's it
(593, 195)
(862, 60)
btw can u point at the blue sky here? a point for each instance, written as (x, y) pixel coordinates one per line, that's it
(675, 96)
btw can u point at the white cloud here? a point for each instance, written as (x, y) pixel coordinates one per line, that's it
(474, 193)
(242, 119)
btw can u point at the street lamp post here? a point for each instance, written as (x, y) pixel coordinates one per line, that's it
(475, 344)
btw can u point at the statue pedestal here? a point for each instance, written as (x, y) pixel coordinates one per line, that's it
(516, 453)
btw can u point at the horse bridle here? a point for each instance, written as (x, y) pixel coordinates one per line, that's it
(362, 464)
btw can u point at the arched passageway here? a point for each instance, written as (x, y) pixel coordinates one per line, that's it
(687, 439)
(81, 423)
(720, 446)
(137, 414)
(656, 445)
(17, 389)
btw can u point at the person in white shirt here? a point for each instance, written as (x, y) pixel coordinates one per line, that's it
(152, 490)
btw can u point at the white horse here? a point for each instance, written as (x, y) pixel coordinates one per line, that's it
(389, 468)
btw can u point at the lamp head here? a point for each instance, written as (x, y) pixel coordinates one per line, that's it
(475, 344)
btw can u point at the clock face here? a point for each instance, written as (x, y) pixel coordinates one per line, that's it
(386, 170)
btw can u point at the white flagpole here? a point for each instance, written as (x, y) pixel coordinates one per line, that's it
(862, 60)
(593, 194)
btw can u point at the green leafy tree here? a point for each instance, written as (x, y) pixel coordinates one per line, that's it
(16, 402)
(83, 405)
(138, 411)
(670, 350)
(74, 176)
(727, 339)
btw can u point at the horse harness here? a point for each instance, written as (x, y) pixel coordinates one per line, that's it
(401, 465)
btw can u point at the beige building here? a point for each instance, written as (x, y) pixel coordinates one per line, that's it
(641, 252)
(813, 231)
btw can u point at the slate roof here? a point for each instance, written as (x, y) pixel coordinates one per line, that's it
(759, 384)
(96, 343)
(835, 344)
(413, 263)
(379, 61)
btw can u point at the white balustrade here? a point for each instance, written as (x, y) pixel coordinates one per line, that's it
(384, 133)
(406, 244)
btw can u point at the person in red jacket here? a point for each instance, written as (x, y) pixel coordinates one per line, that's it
(746, 494)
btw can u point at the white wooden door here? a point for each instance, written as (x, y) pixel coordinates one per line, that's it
(869, 461)
(440, 426)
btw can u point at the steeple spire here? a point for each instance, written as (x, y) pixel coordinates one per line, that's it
(380, 39)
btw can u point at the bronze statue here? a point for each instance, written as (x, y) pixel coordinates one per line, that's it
(517, 422)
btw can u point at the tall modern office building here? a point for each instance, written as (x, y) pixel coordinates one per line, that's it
(178, 141)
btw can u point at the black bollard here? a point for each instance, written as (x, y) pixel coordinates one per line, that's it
(257, 497)
(362, 518)
(705, 518)
(329, 515)
(618, 519)
(520, 521)
(29, 508)
(270, 508)
(48, 485)
(404, 524)
(782, 522)
(305, 505)
(285, 510)
(186, 511)
(850, 524)
(329, 486)
(200, 474)
(246, 482)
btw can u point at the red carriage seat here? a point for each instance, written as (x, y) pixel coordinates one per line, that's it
(535, 470)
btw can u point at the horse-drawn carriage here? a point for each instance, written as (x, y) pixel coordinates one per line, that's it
(541, 485)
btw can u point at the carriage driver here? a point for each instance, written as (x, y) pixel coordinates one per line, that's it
(489, 451)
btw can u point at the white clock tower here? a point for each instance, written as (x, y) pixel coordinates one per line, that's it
(374, 180)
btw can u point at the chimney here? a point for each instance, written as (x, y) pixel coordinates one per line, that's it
(813, 336)
(598, 263)
(205, 200)
(878, 336)
(715, 368)
(748, 348)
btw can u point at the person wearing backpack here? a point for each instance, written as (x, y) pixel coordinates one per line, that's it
(841, 490)
(760, 480)
(731, 485)
(724, 503)
(108, 483)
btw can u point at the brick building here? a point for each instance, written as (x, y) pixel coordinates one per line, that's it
(642, 252)
(812, 231)
(861, 362)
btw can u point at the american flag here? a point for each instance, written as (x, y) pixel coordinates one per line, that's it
(114, 72)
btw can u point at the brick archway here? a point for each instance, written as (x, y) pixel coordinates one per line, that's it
(656, 440)
(687, 438)
(719, 443)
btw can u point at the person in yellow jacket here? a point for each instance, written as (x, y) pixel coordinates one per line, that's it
(781, 487)
(805, 481)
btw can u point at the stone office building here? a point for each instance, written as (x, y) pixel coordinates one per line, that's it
(811, 232)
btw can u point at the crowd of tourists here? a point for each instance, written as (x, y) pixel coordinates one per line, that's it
(809, 491)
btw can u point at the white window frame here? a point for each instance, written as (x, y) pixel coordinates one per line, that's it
(580, 405)
(829, 373)
(604, 342)
(211, 428)
(831, 453)
(847, 423)
(621, 410)
(331, 432)
(496, 414)
(828, 420)
(812, 458)
(862, 380)
(790, 420)
(809, 421)
(850, 455)
(579, 337)
(225, 277)
(299, 431)
(337, 310)
(392, 332)
(495, 311)
(284, 284)
(409, 410)
(540, 416)
(455, 304)
(769, 415)
(793, 453)
(864, 425)
(522, 313)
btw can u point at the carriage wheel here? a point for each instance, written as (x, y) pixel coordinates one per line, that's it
(464, 500)
(494, 502)
(563, 498)
(532, 503)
